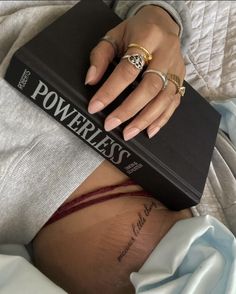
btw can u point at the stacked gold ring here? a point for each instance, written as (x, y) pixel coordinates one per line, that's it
(147, 54)
(177, 82)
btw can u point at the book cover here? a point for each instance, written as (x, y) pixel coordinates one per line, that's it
(50, 71)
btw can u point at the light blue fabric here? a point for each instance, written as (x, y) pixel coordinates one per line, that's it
(19, 276)
(227, 109)
(197, 256)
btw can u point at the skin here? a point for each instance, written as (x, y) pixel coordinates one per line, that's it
(80, 251)
(148, 105)
(95, 249)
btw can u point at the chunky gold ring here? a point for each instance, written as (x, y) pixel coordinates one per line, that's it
(148, 55)
(160, 74)
(112, 41)
(177, 82)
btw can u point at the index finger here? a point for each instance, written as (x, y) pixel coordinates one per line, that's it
(103, 53)
(122, 76)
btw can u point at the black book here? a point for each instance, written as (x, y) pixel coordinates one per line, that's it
(50, 70)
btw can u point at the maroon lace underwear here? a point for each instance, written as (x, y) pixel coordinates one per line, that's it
(88, 199)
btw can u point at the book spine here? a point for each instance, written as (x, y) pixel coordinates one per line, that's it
(40, 92)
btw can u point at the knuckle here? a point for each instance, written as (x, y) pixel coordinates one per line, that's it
(177, 100)
(154, 88)
(171, 90)
(175, 42)
(98, 54)
(126, 113)
(129, 72)
(169, 97)
(104, 96)
(155, 31)
(164, 119)
(153, 84)
(95, 53)
(143, 122)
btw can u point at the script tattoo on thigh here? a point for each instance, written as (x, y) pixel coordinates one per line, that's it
(137, 226)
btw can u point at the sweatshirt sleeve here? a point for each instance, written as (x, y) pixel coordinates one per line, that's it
(178, 10)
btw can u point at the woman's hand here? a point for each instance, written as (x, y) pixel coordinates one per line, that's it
(148, 105)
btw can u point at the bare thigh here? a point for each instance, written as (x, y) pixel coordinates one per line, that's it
(104, 242)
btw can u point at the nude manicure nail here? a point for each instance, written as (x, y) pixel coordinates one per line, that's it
(153, 131)
(130, 133)
(91, 74)
(95, 106)
(112, 123)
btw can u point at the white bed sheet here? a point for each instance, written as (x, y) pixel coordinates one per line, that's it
(211, 61)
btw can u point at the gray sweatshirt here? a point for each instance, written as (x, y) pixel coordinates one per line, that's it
(42, 163)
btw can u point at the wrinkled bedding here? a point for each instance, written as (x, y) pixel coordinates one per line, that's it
(211, 69)
(211, 59)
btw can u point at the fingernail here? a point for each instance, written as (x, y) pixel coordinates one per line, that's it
(112, 123)
(95, 106)
(130, 133)
(153, 131)
(91, 74)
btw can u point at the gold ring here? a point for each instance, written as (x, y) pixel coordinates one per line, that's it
(112, 41)
(177, 82)
(148, 55)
